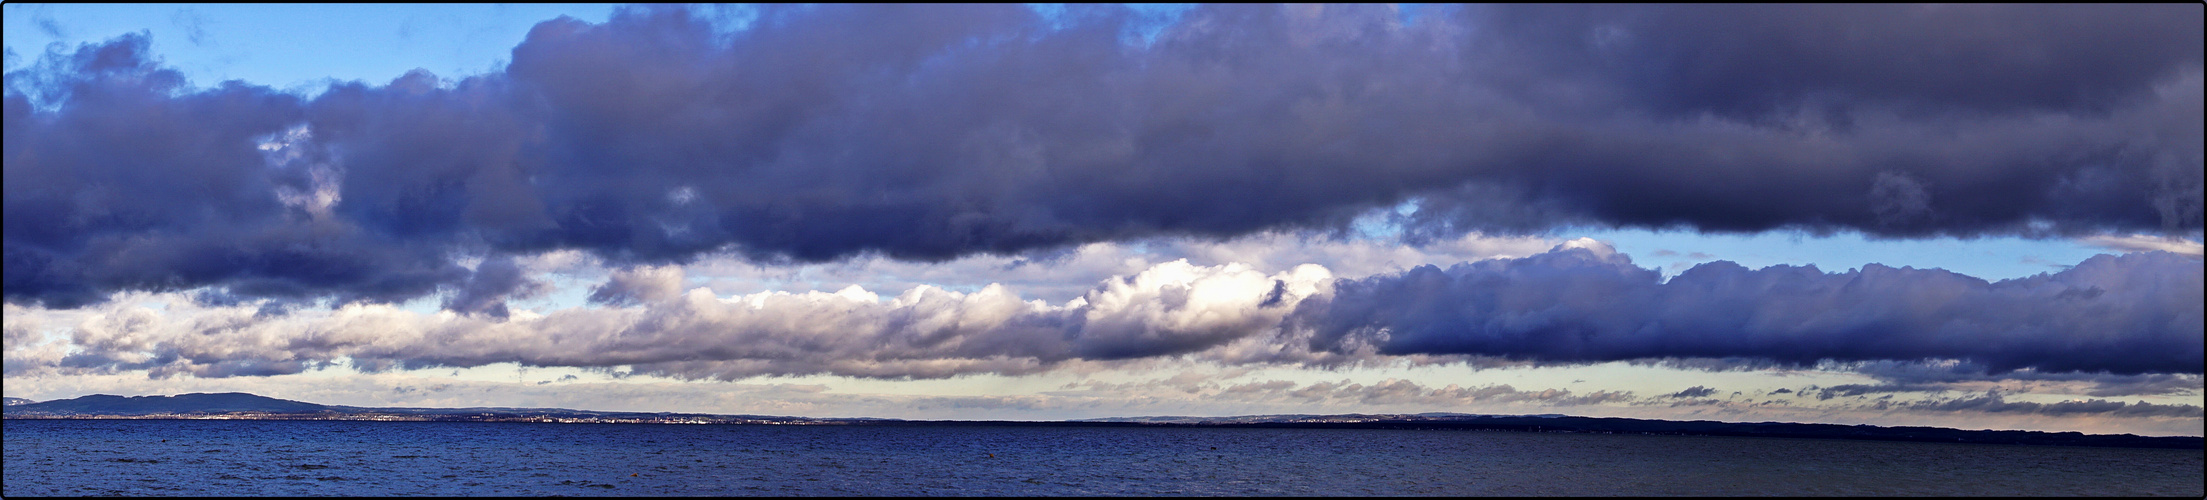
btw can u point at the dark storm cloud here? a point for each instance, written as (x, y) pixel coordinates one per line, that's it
(1750, 60)
(1896, 120)
(493, 282)
(134, 182)
(2132, 314)
(638, 285)
(929, 132)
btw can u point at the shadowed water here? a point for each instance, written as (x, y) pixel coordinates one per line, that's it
(201, 457)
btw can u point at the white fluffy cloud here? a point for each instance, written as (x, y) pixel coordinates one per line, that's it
(2146, 243)
(1068, 273)
(1170, 308)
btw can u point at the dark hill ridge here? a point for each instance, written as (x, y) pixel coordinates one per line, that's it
(102, 404)
(17, 401)
(266, 408)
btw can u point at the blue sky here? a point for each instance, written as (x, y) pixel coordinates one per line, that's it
(294, 45)
(497, 289)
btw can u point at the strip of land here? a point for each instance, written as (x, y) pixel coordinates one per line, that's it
(242, 406)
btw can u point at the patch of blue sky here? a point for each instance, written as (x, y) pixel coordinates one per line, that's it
(1152, 18)
(1052, 13)
(426, 305)
(1410, 12)
(294, 47)
(1989, 258)
(302, 47)
(563, 292)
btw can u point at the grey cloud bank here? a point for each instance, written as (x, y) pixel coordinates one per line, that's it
(2131, 314)
(824, 133)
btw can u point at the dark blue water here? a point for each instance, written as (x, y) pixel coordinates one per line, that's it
(202, 457)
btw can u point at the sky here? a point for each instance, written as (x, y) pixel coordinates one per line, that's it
(1969, 216)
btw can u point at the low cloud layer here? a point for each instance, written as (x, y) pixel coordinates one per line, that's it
(2114, 325)
(822, 133)
(1170, 309)
(1894, 376)
(1995, 403)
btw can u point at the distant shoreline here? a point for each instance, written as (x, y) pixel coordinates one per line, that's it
(1541, 424)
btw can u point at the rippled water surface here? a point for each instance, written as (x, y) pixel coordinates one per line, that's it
(203, 457)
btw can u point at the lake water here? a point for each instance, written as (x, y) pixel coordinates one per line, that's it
(207, 457)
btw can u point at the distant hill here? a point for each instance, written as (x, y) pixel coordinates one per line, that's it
(242, 405)
(17, 401)
(102, 404)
